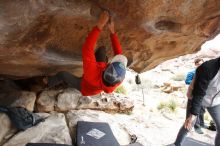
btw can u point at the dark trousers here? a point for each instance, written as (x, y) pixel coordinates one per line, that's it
(200, 119)
(72, 80)
(183, 131)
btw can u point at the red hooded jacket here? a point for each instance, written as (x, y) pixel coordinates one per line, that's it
(92, 83)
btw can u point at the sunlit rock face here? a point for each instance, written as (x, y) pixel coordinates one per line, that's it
(42, 37)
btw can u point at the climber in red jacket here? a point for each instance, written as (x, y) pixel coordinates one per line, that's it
(98, 75)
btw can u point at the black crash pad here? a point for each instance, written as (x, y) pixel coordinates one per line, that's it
(134, 144)
(192, 142)
(45, 144)
(94, 134)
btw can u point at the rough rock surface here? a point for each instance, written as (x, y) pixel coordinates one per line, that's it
(70, 99)
(67, 100)
(26, 100)
(6, 128)
(43, 37)
(169, 87)
(114, 103)
(46, 101)
(53, 130)
(12, 95)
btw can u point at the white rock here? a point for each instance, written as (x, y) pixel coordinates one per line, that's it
(25, 100)
(67, 100)
(46, 101)
(6, 127)
(53, 130)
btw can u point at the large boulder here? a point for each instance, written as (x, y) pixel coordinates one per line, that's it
(53, 130)
(58, 100)
(112, 103)
(43, 37)
(68, 100)
(71, 99)
(46, 101)
(26, 100)
(6, 128)
(12, 95)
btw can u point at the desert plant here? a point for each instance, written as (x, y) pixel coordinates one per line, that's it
(121, 89)
(170, 106)
(162, 105)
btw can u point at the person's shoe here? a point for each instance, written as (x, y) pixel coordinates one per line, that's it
(199, 130)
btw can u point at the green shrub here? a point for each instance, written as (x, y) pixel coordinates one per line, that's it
(170, 106)
(121, 89)
(161, 105)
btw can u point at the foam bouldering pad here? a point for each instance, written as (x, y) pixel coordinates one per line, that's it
(45, 144)
(94, 134)
(134, 144)
(192, 142)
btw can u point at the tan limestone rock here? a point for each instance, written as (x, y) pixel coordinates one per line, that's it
(26, 100)
(46, 101)
(67, 100)
(107, 102)
(53, 130)
(6, 128)
(43, 37)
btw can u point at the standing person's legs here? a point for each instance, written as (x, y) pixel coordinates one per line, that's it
(215, 114)
(69, 79)
(100, 54)
(199, 122)
(201, 117)
(183, 131)
(181, 136)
